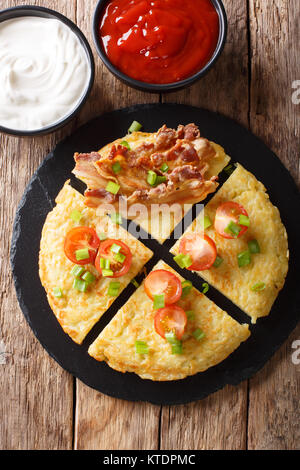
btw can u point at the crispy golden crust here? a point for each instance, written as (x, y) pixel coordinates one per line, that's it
(134, 321)
(270, 266)
(78, 312)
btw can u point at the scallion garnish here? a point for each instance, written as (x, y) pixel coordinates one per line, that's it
(160, 179)
(82, 254)
(113, 288)
(112, 187)
(135, 127)
(258, 287)
(218, 262)
(119, 257)
(158, 301)
(244, 258)
(57, 292)
(254, 246)
(244, 220)
(125, 144)
(190, 315)
(187, 286)
(183, 261)
(141, 347)
(198, 334)
(232, 229)
(76, 216)
(77, 271)
(205, 287)
(206, 222)
(151, 178)
(88, 277)
(107, 272)
(175, 343)
(164, 168)
(80, 285)
(116, 218)
(115, 248)
(104, 263)
(116, 168)
(177, 348)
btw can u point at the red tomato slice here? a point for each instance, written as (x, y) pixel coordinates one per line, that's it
(79, 238)
(201, 249)
(171, 318)
(227, 212)
(163, 282)
(118, 268)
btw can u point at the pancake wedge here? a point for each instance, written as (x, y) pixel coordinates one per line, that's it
(77, 312)
(192, 164)
(135, 322)
(269, 267)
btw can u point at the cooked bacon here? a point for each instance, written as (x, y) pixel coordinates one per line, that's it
(185, 152)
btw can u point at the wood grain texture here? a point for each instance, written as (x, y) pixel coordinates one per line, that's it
(274, 419)
(38, 406)
(103, 422)
(219, 421)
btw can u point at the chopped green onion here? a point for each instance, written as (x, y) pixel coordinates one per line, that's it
(107, 272)
(135, 283)
(125, 144)
(102, 236)
(112, 187)
(190, 315)
(151, 178)
(205, 287)
(254, 246)
(120, 257)
(135, 127)
(115, 248)
(229, 169)
(82, 254)
(160, 179)
(141, 347)
(116, 168)
(175, 343)
(77, 271)
(183, 261)
(57, 292)
(76, 216)
(206, 222)
(164, 168)
(258, 287)
(116, 218)
(104, 263)
(218, 262)
(113, 289)
(88, 277)
(244, 220)
(187, 286)
(232, 229)
(177, 348)
(244, 258)
(198, 334)
(159, 301)
(80, 285)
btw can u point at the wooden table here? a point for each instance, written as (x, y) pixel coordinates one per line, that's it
(44, 407)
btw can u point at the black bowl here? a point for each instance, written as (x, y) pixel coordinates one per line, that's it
(166, 87)
(31, 10)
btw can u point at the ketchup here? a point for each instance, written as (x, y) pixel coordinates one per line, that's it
(159, 41)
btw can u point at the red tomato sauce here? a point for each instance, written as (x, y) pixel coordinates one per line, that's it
(159, 41)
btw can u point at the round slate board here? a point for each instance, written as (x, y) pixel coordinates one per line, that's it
(267, 335)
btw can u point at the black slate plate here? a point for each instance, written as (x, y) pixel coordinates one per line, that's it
(267, 335)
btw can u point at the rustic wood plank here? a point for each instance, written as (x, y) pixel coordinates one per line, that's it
(219, 421)
(37, 395)
(275, 36)
(103, 422)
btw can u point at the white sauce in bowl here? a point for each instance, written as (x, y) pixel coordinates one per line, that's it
(44, 72)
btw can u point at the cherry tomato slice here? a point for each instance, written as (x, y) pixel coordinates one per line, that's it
(119, 269)
(201, 249)
(226, 213)
(163, 282)
(171, 318)
(79, 238)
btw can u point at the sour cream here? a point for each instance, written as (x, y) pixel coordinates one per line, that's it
(44, 72)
